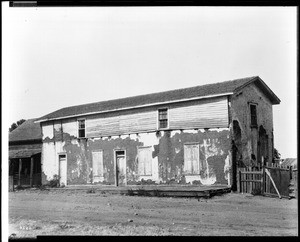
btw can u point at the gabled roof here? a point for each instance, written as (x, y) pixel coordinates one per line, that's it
(209, 90)
(27, 131)
(290, 162)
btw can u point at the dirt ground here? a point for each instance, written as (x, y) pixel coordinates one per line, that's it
(67, 212)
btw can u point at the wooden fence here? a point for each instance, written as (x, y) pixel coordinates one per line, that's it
(11, 184)
(271, 180)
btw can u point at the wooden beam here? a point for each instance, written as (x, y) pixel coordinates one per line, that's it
(268, 173)
(20, 168)
(31, 171)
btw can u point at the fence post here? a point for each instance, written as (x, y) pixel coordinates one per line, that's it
(240, 181)
(263, 180)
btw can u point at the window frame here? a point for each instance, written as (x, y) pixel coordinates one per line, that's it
(143, 175)
(199, 161)
(165, 119)
(80, 129)
(253, 125)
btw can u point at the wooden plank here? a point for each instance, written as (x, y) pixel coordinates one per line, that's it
(145, 161)
(200, 114)
(263, 180)
(274, 195)
(252, 172)
(249, 180)
(97, 159)
(31, 171)
(19, 174)
(240, 182)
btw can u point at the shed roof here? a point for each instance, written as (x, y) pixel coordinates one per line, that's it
(24, 153)
(215, 89)
(29, 130)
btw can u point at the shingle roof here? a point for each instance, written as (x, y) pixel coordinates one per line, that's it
(26, 131)
(161, 97)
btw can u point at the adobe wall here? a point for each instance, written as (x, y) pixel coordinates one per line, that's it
(167, 156)
(240, 112)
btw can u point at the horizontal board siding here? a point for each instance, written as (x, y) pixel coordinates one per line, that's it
(126, 123)
(138, 122)
(102, 126)
(211, 113)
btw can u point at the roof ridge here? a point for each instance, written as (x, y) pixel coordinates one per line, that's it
(161, 92)
(187, 93)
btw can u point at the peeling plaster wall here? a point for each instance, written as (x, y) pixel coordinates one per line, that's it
(167, 155)
(240, 111)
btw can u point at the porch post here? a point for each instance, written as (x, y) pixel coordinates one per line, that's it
(31, 171)
(20, 168)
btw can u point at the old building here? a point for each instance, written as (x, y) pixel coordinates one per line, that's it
(25, 147)
(196, 135)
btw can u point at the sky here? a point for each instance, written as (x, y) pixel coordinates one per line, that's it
(58, 57)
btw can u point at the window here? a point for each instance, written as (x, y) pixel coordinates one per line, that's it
(163, 118)
(145, 161)
(81, 128)
(192, 164)
(253, 115)
(97, 157)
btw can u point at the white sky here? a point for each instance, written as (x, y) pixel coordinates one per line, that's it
(59, 57)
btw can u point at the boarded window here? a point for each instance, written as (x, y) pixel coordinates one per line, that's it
(145, 161)
(191, 159)
(163, 118)
(81, 128)
(253, 115)
(97, 157)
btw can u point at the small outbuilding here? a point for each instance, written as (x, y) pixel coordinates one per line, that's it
(25, 147)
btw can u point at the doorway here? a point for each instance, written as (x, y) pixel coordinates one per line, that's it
(120, 167)
(62, 170)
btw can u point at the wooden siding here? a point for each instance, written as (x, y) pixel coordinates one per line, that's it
(123, 123)
(212, 113)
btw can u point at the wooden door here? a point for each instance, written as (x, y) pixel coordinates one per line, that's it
(62, 170)
(120, 168)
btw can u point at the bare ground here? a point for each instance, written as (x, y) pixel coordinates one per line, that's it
(67, 212)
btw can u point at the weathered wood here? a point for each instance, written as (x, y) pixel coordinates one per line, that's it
(249, 180)
(31, 171)
(251, 172)
(145, 161)
(192, 159)
(97, 159)
(20, 169)
(268, 173)
(240, 182)
(263, 180)
(196, 114)
(275, 195)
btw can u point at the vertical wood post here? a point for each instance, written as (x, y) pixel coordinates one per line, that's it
(31, 171)
(251, 178)
(240, 181)
(20, 168)
(263, 179)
